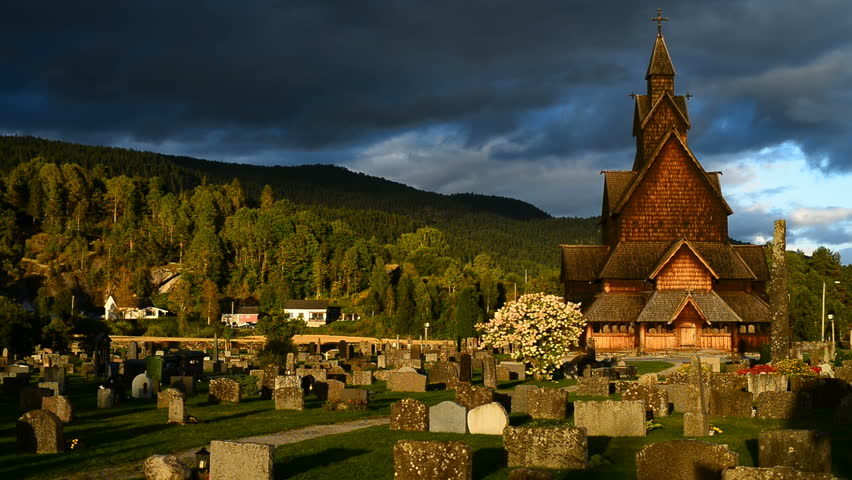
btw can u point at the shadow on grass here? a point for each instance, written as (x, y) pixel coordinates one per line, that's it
(304, 463)
(489, 460)
(752, 446)
(236, 415)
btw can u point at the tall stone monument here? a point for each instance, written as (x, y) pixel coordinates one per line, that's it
(778, 300)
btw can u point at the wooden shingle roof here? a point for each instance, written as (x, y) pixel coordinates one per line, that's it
(747, 305)
(582, 262)
(661, 61)
(672, 135)
(644, 107)
(633, 260)
(724, 260)
(615, 184)
(755, 257)
(664, 306)
(616, 307)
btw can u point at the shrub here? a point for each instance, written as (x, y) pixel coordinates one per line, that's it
(793, 367)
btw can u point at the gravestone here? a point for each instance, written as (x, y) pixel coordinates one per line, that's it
(141, 386)
(287, 381)
(448, 417)
(329, 390)
(489, 419)
(803, 450)
(783, 405)
(758, 384)
(656, 399)
(289, 398)
(465, 368)
(593, 386)
(503, 374)
(683, 396)
(516, 370)
(558, 448)
(489, 371)
(444, 372)
(406, 381)
(778, 295)
(239, 460)
(362, 377)
(177, 407)
(343, 350)
(730, 403)
(290, 364)
(40, 431)
(154, 369)
(471, 396)
(106, 397)
(684, 460)
(132, 350)
(410, 415)
(165, 467)
(696, 421)
(520, 398)
(381, 361)
(648, 380)
(224, 390)
(421, 460)
(547, 403)
(611, 418)
(52, 386)
(60, 406)
(773, 473)
(357, 396)
(165, 395)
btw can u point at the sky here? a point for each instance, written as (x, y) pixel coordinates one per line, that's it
(521, 99)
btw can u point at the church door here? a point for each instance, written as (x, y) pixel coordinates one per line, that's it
(686, 332)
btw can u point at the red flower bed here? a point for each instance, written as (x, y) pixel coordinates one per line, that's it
(758, 369)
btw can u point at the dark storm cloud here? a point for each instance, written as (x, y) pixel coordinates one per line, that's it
(518, 82)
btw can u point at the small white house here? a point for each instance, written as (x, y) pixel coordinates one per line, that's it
(131, 308)
(315, 313)
(242, 315)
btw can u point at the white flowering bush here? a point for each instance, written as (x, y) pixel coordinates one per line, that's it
(543, 327)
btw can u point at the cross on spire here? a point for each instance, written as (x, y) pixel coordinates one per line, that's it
(659, 19)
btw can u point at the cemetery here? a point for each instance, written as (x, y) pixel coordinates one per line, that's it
(450, 415)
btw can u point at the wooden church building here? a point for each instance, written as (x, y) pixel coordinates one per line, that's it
(666, 277)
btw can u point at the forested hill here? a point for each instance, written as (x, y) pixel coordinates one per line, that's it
(327, 185)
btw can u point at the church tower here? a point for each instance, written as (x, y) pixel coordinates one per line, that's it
(666, 275)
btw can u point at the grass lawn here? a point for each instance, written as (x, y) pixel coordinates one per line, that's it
(137, 429)
(368, 453)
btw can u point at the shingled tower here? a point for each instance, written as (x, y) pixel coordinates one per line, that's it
(667, 276)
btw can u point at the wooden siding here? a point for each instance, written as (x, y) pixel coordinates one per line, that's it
(624, 286)
(614, 341)
(719, 341)
(674, 202)
(660, 341)
(751, 342)
(684, 272)
(658, 85)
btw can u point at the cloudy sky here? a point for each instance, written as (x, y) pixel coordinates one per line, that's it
(521, 99)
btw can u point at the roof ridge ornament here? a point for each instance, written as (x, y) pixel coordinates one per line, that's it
(659, 19)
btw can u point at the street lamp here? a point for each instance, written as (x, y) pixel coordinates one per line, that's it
(426, 331)
(831, 319)
(822, 331)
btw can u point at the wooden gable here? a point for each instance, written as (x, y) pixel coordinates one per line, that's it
(684, 269)
(664, 116)
(672, 198)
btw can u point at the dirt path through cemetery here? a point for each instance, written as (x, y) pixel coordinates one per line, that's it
(134, 470)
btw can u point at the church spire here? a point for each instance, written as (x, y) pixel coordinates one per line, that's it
(661, 72)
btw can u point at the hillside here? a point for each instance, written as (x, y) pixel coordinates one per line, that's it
(327, 185)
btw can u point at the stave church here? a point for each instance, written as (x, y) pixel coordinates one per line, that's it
(666, 276)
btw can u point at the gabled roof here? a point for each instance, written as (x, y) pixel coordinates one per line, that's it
(633, 260)
(615, 184)
(306, 304)
(661, 62)
(747, 305)
(664, 260)
(616, 307)
(132, 302)
(638, 180)
(582, 262)
(665, 306)
(643, 107)
(755, 257)
(666, 97)
(725, 260)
